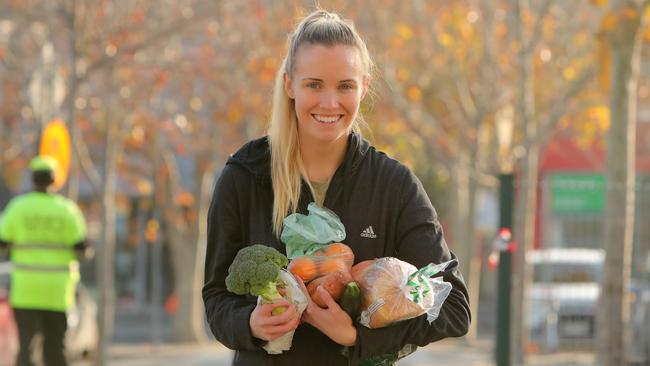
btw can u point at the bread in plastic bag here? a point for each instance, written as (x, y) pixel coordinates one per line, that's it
(394, 290)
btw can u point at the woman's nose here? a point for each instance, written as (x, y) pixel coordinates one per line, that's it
(328, 99)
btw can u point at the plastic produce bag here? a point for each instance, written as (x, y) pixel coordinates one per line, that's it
(394, 290)
(299, 300)
(305, 234)
(329, 258)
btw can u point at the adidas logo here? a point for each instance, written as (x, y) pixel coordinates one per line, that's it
(368, 233)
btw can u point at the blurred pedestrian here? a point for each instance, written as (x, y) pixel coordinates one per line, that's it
(45, 234)
(315, 152)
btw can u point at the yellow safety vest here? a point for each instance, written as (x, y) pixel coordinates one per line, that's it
(43, 229)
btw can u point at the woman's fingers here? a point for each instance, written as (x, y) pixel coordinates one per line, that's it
(265, 325)
(327, 298)
(275, 319)
(275, 331)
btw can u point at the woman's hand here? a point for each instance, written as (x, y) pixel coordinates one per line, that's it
(267, 326)
(332, 320)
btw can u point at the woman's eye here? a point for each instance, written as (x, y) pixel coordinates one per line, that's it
(313, 85)
(347, 86)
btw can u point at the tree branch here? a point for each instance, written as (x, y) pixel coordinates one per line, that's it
(537, 28)
(86, 163)
(466, 98)
(559, 108)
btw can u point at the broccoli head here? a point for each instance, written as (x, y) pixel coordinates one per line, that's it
(255, 270)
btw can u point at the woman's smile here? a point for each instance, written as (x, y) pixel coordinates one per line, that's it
(327, 119)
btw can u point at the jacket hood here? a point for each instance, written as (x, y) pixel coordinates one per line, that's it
(255, 155)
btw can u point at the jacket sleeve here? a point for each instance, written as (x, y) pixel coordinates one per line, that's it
(227, 314)
(419, 241)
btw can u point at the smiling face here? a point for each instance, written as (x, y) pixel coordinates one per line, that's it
(327, 86)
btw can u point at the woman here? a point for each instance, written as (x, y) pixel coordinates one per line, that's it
(315, 152)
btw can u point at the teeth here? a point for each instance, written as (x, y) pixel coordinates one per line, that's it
(326, 119)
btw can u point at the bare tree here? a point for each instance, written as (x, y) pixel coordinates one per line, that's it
(622, 26)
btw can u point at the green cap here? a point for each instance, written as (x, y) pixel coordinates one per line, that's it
(42, 162)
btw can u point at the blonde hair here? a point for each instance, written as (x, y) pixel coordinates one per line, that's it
(287, 168)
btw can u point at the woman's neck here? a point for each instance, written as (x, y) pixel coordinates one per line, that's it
(322, 160)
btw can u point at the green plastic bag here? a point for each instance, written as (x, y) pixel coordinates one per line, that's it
(305, 234)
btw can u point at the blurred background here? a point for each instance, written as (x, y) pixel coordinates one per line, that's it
(155, 95)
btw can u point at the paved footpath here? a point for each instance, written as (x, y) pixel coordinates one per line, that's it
(444, 353)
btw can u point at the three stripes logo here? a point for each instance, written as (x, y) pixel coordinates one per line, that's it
(368, 233)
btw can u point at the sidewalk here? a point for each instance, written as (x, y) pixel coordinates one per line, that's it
(481, 353)
(213, 354)
(451, 352)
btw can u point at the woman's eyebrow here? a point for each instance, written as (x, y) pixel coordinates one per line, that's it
(320, 80)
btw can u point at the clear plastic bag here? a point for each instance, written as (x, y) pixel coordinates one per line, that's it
(299, 299)
(305, 234)
(327, 259)
(394, 290)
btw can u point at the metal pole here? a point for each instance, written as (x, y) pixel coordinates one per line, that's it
(505, 270)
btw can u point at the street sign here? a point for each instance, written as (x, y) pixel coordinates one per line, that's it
(55, 142)
(578, 193)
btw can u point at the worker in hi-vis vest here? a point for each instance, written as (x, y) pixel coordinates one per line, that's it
(45, 234)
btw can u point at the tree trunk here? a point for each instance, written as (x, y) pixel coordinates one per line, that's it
(183, 253)
(473, 261)
(106, 255)
(188, 254)
(207, 184)
(526, 195)
(526, 202)
(73, 81)
(183, 249)
(460, 206)
(621, 146)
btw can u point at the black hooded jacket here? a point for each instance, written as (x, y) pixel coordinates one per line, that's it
(368, 190)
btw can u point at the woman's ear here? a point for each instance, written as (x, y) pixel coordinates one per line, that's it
(287, 86)
(366, 85)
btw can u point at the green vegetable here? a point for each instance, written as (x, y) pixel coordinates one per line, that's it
(255, 270)
(351, 300)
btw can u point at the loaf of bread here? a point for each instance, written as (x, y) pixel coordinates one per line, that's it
(386, 296)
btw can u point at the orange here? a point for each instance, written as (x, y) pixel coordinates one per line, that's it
(330, 265)
(303, 267)
(319, 253)
(340, 251)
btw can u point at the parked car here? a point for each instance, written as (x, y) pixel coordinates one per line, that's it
(82, 336)
(563, 297)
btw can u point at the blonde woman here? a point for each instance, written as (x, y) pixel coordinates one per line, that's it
(314, 151)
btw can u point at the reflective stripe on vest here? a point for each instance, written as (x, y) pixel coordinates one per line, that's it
(42, 246)
(74, 266)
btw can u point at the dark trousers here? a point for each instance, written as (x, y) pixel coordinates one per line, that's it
(52, 325)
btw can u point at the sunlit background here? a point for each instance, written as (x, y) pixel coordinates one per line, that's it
(157, 94)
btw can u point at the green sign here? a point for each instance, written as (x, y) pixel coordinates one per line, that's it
(578, 193)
